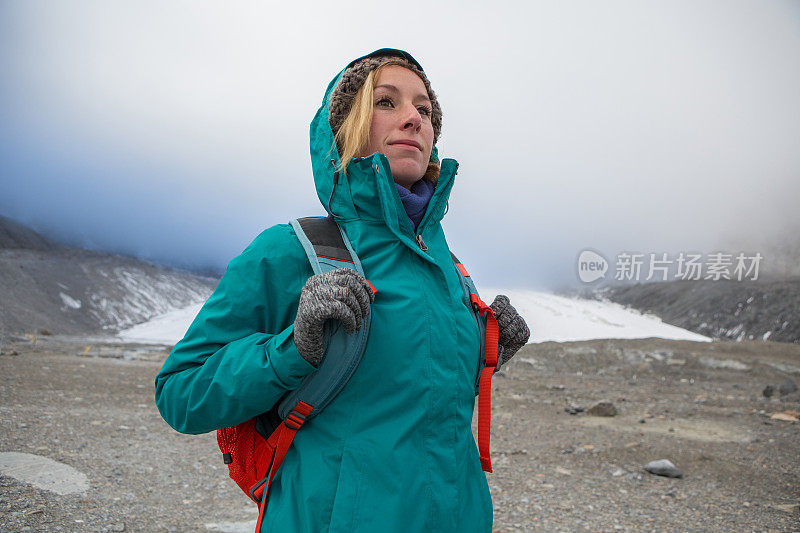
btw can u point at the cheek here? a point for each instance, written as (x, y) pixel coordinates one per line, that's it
(377, 128)
(428, 133)
(373, 132)
(429, 138)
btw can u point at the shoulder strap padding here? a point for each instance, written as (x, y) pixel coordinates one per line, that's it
(325, 237)
(327, 247)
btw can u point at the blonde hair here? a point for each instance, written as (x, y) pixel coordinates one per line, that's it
(353, 135)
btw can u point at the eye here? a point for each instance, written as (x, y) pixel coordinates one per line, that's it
(384, 101)
(424, 110)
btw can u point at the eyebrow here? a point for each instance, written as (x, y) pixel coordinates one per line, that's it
(395, 89)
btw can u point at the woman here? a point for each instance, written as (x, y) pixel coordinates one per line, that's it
(394, 450)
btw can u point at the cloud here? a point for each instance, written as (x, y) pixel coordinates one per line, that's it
(179, 131)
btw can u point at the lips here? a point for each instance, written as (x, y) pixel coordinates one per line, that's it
(408, 142)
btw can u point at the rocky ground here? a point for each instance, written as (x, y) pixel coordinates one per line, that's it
(557, 468)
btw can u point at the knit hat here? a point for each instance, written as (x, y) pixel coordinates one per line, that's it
(353, 78)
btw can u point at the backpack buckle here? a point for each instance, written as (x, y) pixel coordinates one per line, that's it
(479, 305)
(294, 420)
(255, 487)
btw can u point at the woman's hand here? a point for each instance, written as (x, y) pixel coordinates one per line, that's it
(514, 332)
(340, 294)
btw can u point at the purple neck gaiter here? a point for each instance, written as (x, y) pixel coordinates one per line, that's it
(416, 200)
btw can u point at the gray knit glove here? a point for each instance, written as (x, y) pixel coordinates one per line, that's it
(514, 332)
(341, 294)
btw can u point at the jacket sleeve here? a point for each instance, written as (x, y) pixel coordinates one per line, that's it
(238, 357)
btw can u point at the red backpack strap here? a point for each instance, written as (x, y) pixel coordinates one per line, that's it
(485, 384)
(490, 363)
(280, 439)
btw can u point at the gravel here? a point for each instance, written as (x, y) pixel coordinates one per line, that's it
(553, 471)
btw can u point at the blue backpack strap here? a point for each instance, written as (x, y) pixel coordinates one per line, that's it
(469, 288)
(328, 248)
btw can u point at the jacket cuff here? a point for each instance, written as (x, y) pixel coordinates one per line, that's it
(289, 366)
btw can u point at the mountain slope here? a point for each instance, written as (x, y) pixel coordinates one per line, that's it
(45, 285)
(15, 235)
(736, 310)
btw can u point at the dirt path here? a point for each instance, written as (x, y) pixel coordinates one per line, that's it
(700, 405)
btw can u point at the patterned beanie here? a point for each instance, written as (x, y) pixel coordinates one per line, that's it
(353, 78)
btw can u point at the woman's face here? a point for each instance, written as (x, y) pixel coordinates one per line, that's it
(401, 124)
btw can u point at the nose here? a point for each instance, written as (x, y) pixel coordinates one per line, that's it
(412, 119)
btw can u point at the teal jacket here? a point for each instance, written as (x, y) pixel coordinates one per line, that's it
(394, 450)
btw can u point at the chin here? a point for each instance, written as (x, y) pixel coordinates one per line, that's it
(407, 176)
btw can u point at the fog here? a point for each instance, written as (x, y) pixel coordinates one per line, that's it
(178, 131)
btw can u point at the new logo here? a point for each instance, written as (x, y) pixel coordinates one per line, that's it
(591, 266)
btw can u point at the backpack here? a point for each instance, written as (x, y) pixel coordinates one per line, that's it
(255, 449)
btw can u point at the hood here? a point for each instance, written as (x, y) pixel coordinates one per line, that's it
(368, 191)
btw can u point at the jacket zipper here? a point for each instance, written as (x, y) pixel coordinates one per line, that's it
(420, 242)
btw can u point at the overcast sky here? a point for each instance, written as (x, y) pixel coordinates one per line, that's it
(177, 131)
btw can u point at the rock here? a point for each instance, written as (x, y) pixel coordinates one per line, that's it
(604, 408)
(787, 387)
(574, 409)
(785, 417)
(793, 508)
(769, 391)
(43, 473)
(663, 467)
